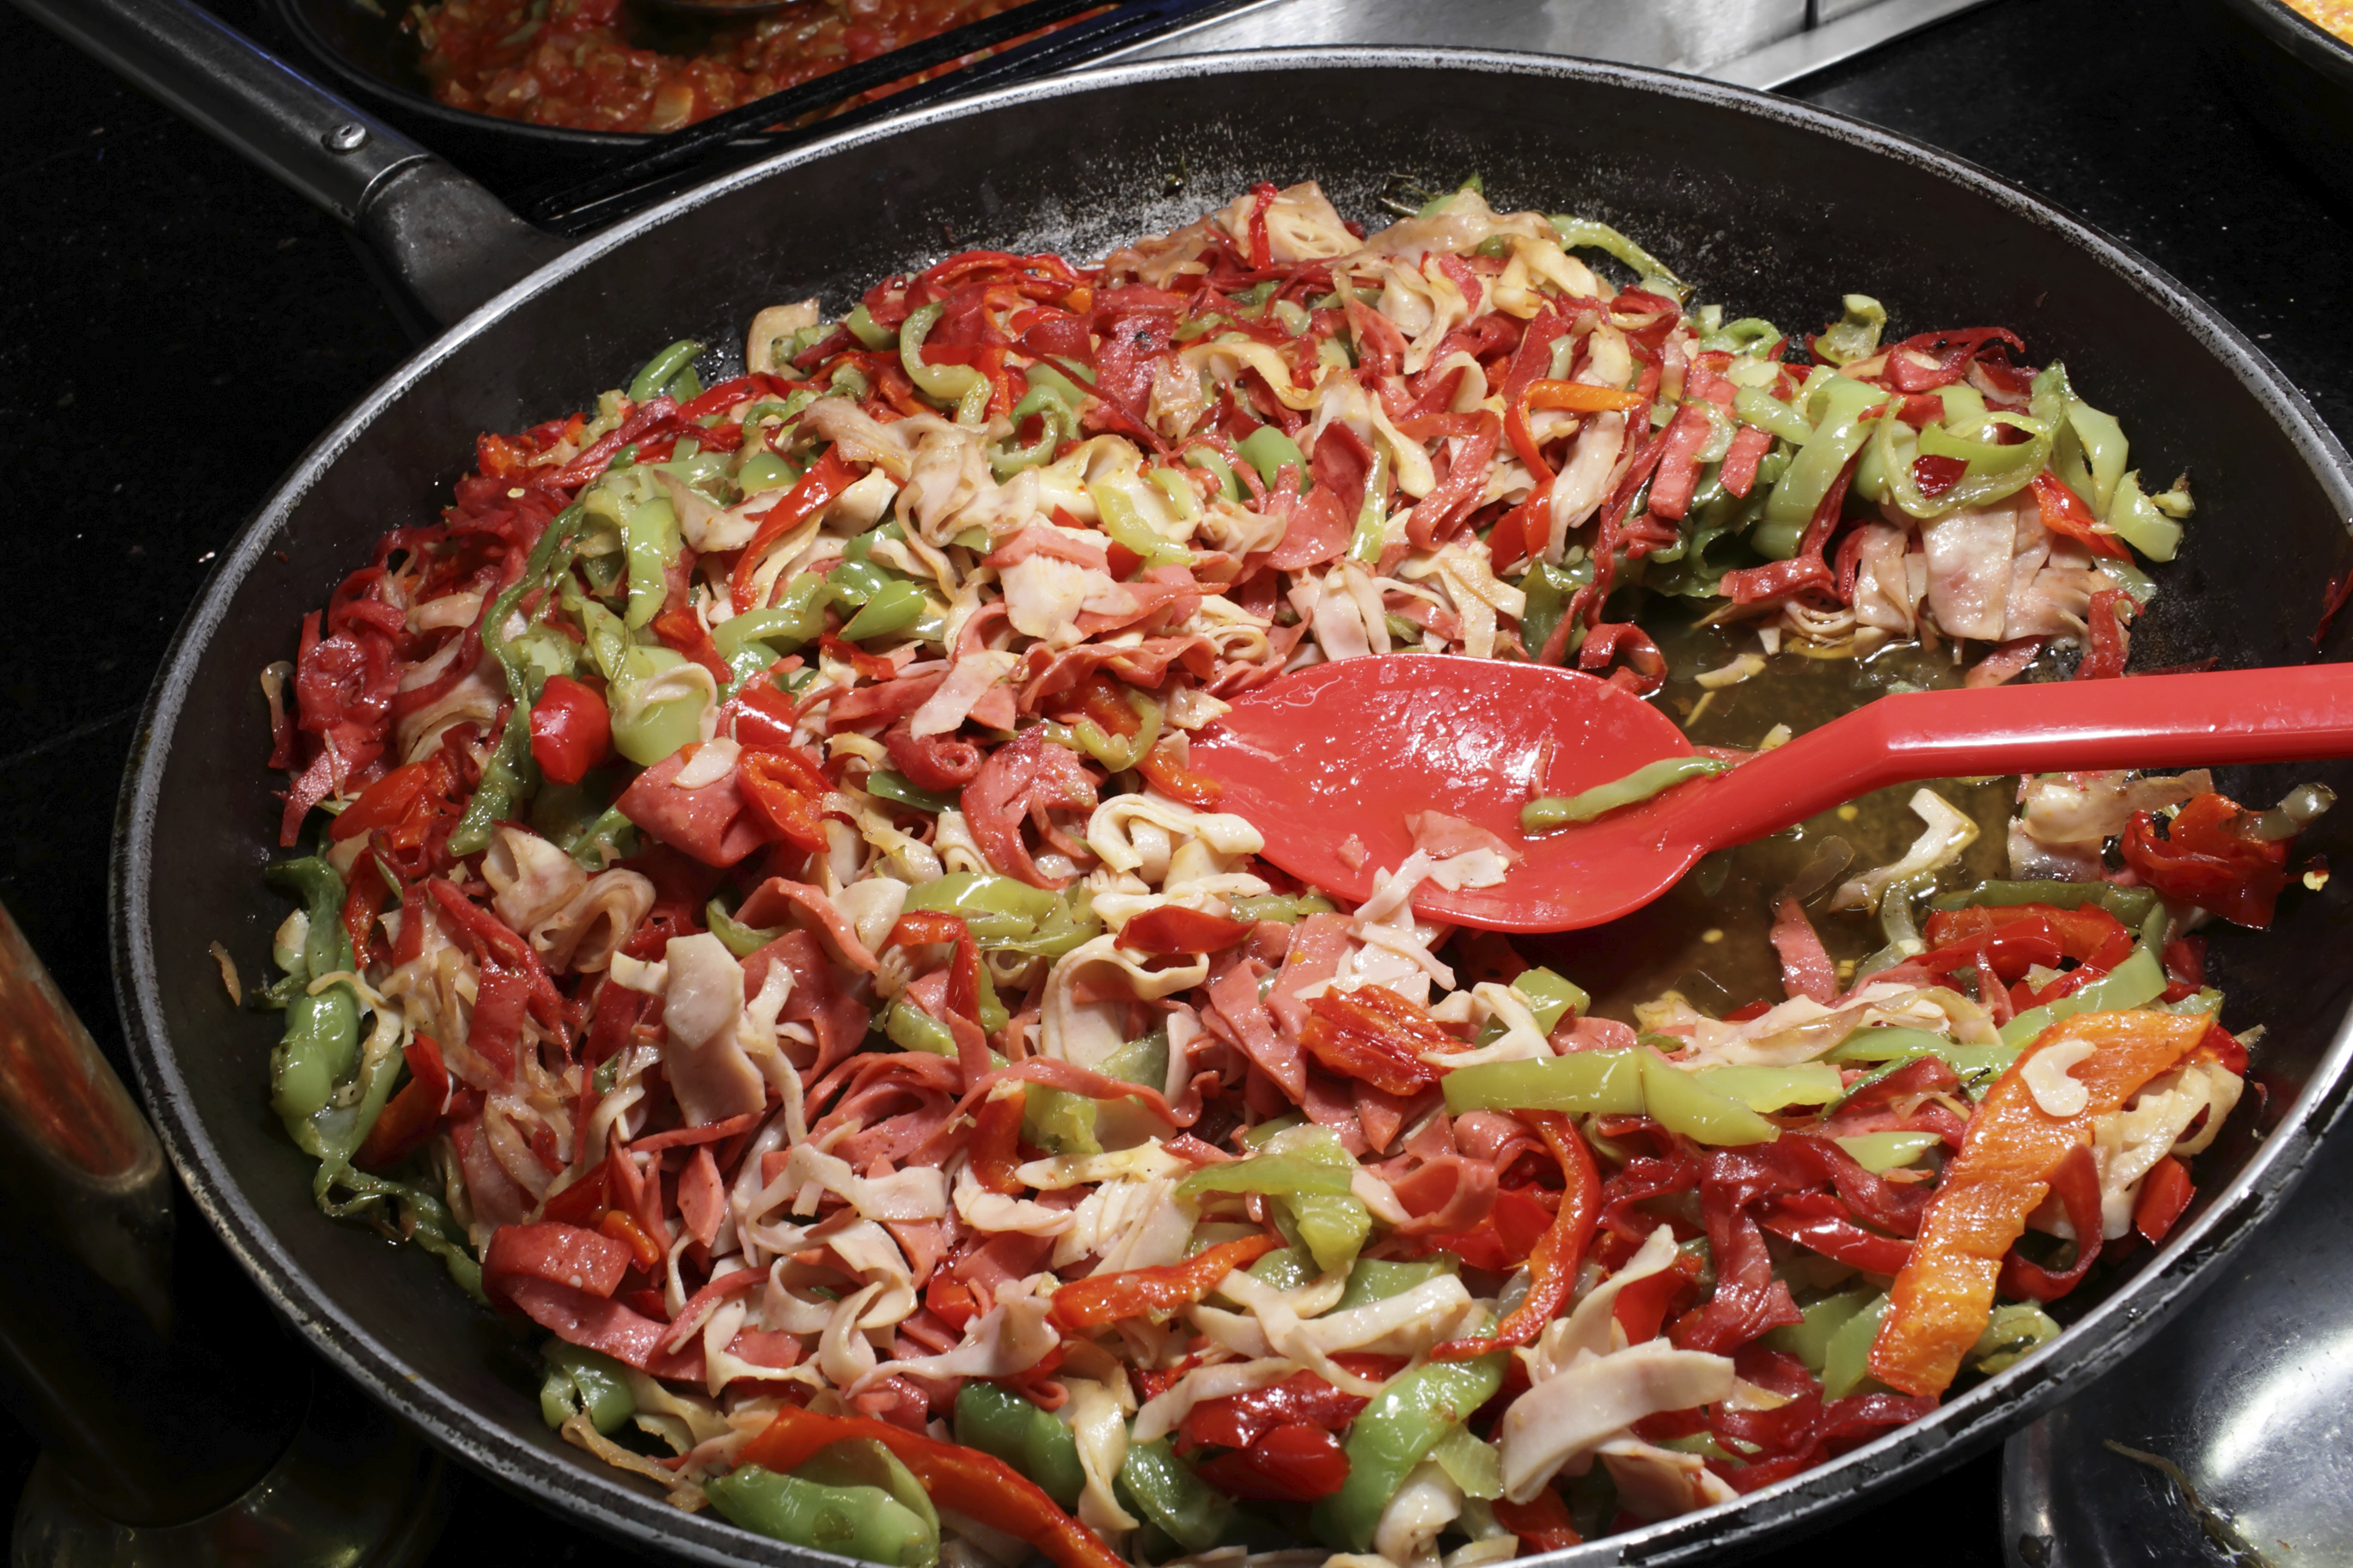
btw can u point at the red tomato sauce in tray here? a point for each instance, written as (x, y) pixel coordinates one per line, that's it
(595, 65)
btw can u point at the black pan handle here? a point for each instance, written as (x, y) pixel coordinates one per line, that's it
(449, 243)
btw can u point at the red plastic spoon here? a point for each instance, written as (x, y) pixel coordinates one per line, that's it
(1329, 762)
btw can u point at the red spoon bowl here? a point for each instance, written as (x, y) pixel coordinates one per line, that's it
(1328, 763)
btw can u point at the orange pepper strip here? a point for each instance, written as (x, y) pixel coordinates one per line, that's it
(963, 1479)
(1944, 1296)
(1573, 396)
(1177, 783)
(1104, 1298)
(1552, 1267)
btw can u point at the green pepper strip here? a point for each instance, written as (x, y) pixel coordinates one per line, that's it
(510, 774)
(1289, 909)
(1375, 1281)
(2130, 905)
(1165, 1488)
(1894, 1050)
(1549, 812)
(1270, 451)
(884, 784)
(892, 609)
(1752, 405)
(2136, 982)
(320, 1049)
(322, 1043)
(1583, 234)
(1115, 508)
(863, 1522)
(1317, 1191)
(1003, 913)
(1410, 1416)
(1372, 517)
(996, 1421)
(662, 369)
(583, 1381)
(1116, 754)
(1992, 471)
(1606, 1083)
(1058, 423)
(959, 386)
(741, 940)
(1836, 435)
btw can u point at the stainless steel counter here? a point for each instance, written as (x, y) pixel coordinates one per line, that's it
(1759, 43)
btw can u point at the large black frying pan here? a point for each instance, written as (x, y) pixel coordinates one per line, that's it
(1771, 206)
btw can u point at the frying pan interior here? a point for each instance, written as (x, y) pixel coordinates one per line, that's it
(1769, 207)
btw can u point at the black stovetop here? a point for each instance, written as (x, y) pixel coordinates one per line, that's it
(174, 329)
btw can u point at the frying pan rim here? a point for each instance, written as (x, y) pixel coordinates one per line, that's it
(2291, 30)
(620, 1508)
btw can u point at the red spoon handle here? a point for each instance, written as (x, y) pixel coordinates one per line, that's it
(2280, 715)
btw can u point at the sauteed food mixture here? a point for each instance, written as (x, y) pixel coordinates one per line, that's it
(767, 931)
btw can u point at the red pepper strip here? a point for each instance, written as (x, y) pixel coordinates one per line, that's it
(410, 1116)
(2332, 601)
(818, 487)
(2063, 511)
(1261, 250)
(1511, 1230)
(2210, 858)
(1376, 1036)
(1542, 1523)
(1239, 1420)
(787, 789)
(1521, 530)
(2077, 1182)
(2010, 949)
(1573, 396)
(1817, 1222)
(1104, 1300)
(920, 928)
(386, 802)
(2106, 644)
(508, 949)
(363, 899)
(1160, 768)
(2089, 935)
(951, 1300)
(1552, 1267)
(1642, 1308)
(1944, 1296)
(582, 1204)
(995, 1149)
(1297, 1463)
(969, 1482)
(681, 633)
(1174, 928)
(2164, 1192)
